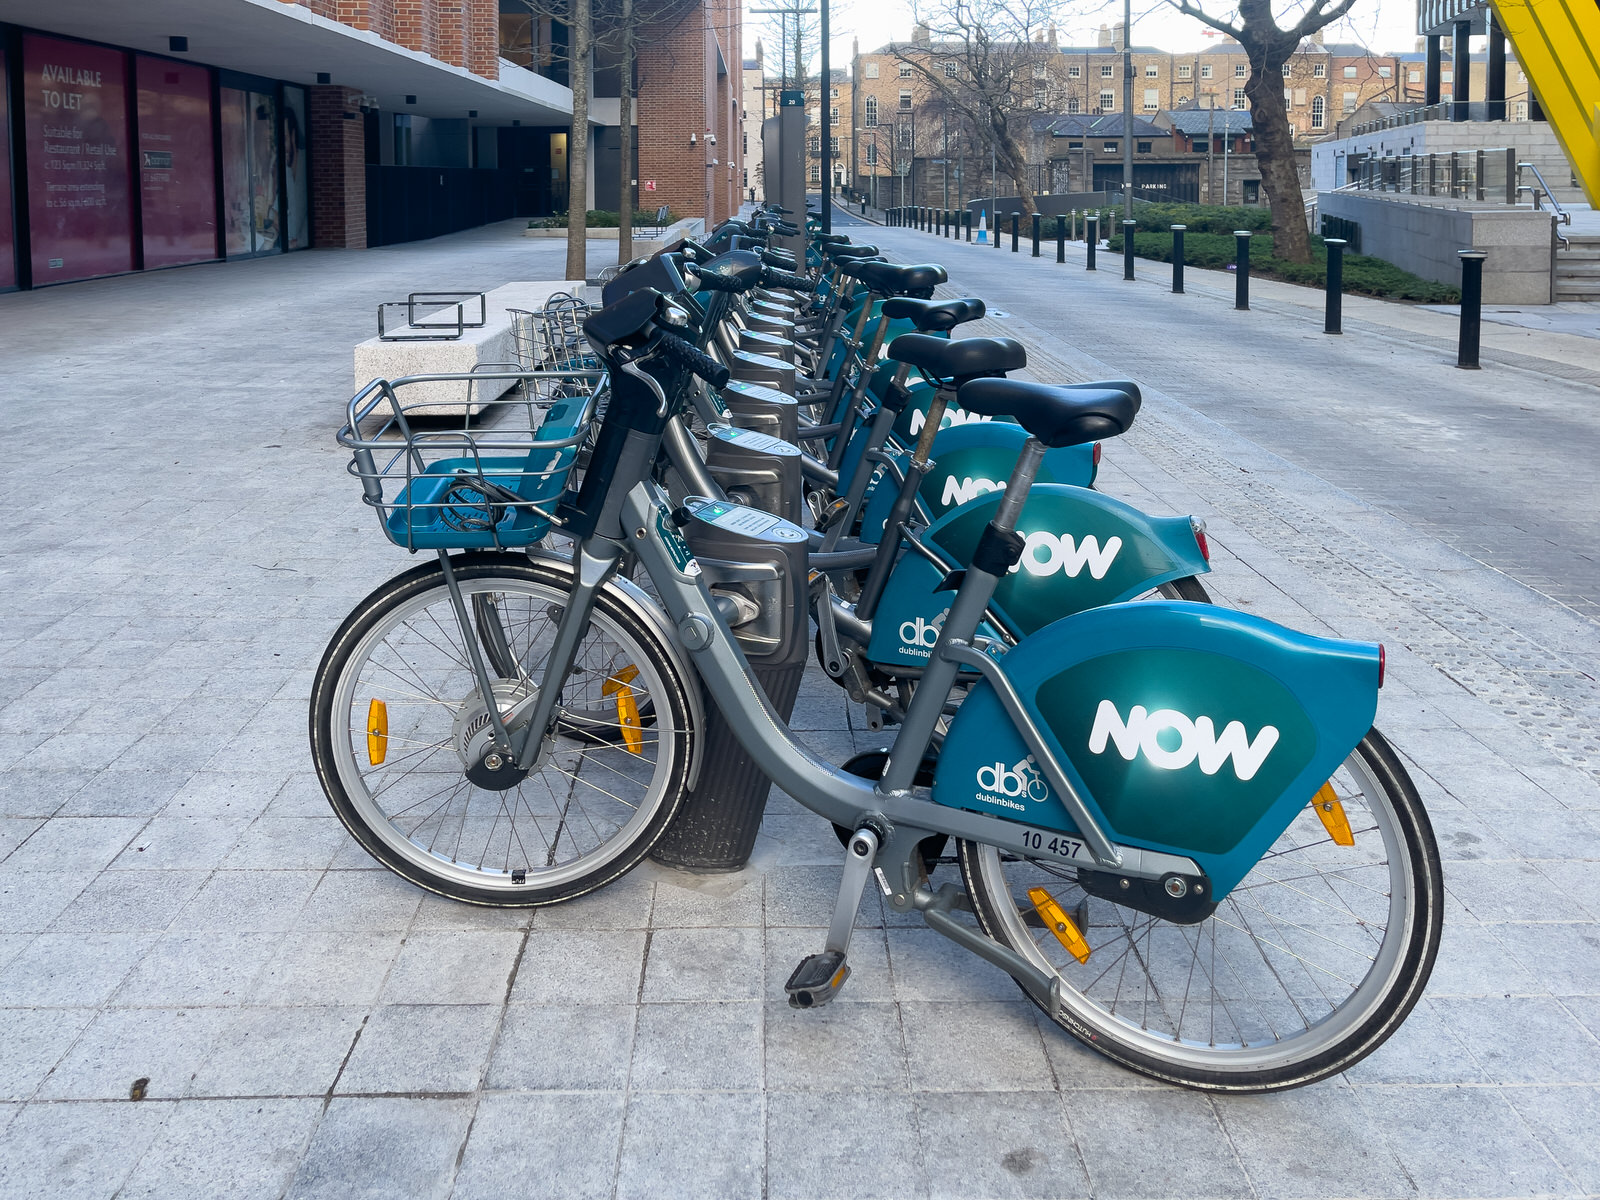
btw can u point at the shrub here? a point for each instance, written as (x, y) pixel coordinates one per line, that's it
(1363, 274)
(599, 218)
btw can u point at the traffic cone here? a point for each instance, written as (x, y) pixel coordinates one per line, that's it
(983, 228)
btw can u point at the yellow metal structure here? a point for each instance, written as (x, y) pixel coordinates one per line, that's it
(1331, 811)
(1057, 921)
(627, 707)
(1557, 45)
(377, 732)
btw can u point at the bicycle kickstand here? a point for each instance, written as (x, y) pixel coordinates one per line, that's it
(819, 977)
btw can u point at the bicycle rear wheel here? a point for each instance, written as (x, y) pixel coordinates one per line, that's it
(396, 709)
(1305, 968)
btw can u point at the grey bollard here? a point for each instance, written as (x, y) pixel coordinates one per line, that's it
(1471, 307)
(1177, 259)
(1061, 237)
(1334, 320)
(1241, 267)
(1127, 248)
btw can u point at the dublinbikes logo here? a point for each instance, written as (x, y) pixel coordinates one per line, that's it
(1197, 740)
(1005, 786)
(1045, 553)
(959, 491)
(952, 417)
(919, 636)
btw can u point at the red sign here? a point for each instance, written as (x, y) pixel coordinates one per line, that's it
(76, 132)
(177, 170)
(649, 185)
(8, 246)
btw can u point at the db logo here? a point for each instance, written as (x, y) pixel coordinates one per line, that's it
(922, 632)
(1021, 779)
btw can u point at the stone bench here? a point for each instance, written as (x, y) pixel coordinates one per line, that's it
(487, 347)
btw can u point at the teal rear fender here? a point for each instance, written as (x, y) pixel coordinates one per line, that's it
(1083, 550)
(1187, 729)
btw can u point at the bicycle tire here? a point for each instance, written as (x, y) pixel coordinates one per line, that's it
(1165, 1044)
(566, 829)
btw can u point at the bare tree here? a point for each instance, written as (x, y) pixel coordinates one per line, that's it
(1269, 46)
(990, 62)
(578, 17)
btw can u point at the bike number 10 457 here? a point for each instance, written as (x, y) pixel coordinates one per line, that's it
(1061, 847)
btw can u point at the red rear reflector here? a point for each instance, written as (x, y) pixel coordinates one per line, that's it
(1097, 454)
(1383, 662)
(1205, 546)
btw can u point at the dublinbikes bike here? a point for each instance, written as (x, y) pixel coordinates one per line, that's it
(1176, 827)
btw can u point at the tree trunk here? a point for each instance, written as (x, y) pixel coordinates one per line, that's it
(625, 137)
(1275, 154)
(1014, 163)
(581, 39)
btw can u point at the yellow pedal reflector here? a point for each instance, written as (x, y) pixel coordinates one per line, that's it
(1059, 923)
(627, 707)
(1331, 811)
(377, 732)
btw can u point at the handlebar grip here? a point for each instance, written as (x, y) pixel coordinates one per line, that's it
(784, 229)
(693, 359)
(787, 279)
(712, 282)
(777, 259)
(696, 248)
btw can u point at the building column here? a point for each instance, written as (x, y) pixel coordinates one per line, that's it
(1495, 82)
(1461, 81)
(1430, 76)
(338, 169)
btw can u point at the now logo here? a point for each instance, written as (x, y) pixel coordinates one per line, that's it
(1045, 553)
(1019, 779)
(1197, 740)
(959, 491)
(952, 416)
(922, 632)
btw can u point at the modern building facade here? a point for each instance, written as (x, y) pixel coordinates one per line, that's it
(167, 132)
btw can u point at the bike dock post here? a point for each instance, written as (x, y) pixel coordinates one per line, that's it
(1091, 235)
(1016, 221)
(1177, 259)
(1334, 320)
(1127, 248)
(1035, 235)
(1471, 307)
(1061, 237)
(1241, 267)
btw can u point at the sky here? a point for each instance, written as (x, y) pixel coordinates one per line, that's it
(1384, 26)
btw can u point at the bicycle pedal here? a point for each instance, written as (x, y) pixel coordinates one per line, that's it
(830, 515)
(817, 979)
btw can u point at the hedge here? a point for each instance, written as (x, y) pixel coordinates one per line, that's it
(599, 218)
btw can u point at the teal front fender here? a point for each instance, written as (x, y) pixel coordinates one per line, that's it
(1187, 729)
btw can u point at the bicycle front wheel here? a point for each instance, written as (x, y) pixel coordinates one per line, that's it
(397, 710)
(1305, 968)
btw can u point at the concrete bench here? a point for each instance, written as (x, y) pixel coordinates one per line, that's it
(490, 345)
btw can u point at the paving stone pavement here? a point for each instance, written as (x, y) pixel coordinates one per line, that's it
(177, 903)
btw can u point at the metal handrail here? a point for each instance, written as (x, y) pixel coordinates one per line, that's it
(1562, 215)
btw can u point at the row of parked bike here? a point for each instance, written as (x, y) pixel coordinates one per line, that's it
(1172, 824)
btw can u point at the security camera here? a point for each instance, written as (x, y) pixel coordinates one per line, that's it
(711, 139)
(693, 140)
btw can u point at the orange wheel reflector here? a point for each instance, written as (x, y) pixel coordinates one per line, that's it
(1331, 812)
(627, 707)
(377, 732)
(1059, 923)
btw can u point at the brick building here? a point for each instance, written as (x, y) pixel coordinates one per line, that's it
(221, 129)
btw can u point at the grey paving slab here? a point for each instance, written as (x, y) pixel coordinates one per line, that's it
(82, 1151)
(69, 970)
(697, 1145)
(842, 1047)
(1002, 1145)
(278, 1052)
(843, 1145)
(553, 1147)
(198, 968)
(37, 1039)
(163, 1046)
(577, 1048)
(456, 967)
(225, 1150)
(570, 967)
(699, 1046)
(422, 1048)
(703, 964)
(328, 968)
(1153, 1143)
(383, 1147)
(1314, 1143)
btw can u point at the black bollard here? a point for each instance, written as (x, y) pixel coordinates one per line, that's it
(1241, 268)
(1471, 307)
(1091, 236)
(1016, 224)
(1334, 322)
(1035, 235)
(1061, 237)
(1177, 259)
(950, 224)
(966, 222)
(1127, 249)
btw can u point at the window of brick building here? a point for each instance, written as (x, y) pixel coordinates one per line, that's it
(1105, 72)
(1074, 72)
(905, 70)
(1145, 147)
(1152, 72)
(872, 110)
(1108, 102)
(1318, 113)
(833, 116)
(1240, 70)
(1238, 97)
(905, 137)
(872, 70)
(872, 154)
(1319, 71)
(905, 101)
(1185, 71)
(1073, 104)
(1205, 70)
(1109, 147)
(951, 70)
(1152, 99)
(1349, 72)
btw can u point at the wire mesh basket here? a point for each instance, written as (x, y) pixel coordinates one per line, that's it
(552, 338)
(489, 483)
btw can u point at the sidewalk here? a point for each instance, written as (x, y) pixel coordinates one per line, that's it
(178, 904)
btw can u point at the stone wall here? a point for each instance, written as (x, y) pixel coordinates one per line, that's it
(1423, 236)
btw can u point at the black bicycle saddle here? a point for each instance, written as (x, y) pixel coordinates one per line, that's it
(933, 316)
(1057, 416)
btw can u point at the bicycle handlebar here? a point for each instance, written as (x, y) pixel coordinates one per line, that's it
(692, 359)
(772, 277)
(713, 282)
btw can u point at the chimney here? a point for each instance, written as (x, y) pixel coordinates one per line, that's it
(919, 35)
(1105, 35)
(1052, 38)
(1119, 36)
(1318, 36)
